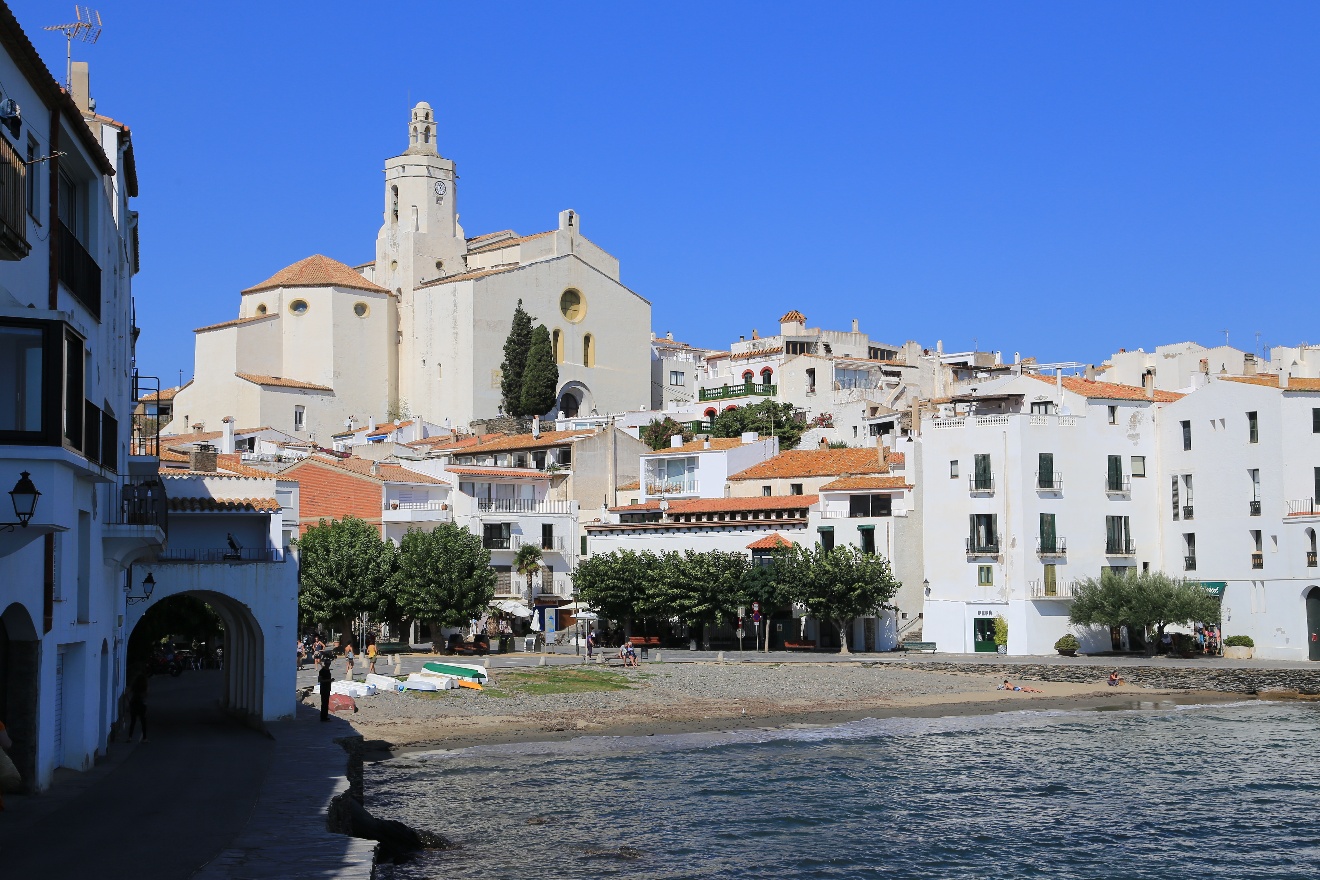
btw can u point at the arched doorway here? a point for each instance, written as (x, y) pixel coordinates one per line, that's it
(1313, 623)
(20, 683)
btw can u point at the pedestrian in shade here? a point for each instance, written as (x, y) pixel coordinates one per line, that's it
(324, 679)
(137, 706)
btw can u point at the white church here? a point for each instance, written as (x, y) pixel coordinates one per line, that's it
(421, 329)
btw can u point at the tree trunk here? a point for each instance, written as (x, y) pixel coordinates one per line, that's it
(843, 634)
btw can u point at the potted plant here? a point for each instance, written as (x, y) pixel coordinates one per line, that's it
(1001, 635)
(1067, 645)
(1239, 647)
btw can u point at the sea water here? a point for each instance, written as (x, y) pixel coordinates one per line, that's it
(1145, 790)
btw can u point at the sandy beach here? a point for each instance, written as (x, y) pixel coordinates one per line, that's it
(565, 702)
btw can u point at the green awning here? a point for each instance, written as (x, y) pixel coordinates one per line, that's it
(1215, 588)
(825, 528)
(866, 528)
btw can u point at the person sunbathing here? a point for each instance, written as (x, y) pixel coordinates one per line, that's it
(1006, 686)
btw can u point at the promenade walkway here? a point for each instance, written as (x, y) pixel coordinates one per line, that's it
(205, 797)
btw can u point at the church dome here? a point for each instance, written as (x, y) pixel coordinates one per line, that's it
(317, 271)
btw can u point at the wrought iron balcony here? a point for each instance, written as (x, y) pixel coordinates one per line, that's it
(222, 554)
(1189, 563)
(982, 548)
(982, 485)
(1120, 548)
(138, 502)
(1187, 511)
(1258, 560)
(747, 389)
(1049, 482)
(1302, 507)
(1042, 590)
(1254, 508)
(1052, 547)
(495, 543)
(77, 270)
(1310, 559)
(1121, 486)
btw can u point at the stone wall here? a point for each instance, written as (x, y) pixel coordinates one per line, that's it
(1225, 679)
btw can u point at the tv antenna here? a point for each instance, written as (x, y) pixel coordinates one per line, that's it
(87, 28)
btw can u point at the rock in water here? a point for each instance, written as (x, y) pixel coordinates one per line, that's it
(397, 840)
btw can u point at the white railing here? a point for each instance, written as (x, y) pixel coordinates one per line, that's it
(992, 420)
(1302, 507)
(1067, 421)
(675, 486)
(947, 423)
(523, 505)
(1039, 421)
(1060, 590)
(556, 543)
(415, 505)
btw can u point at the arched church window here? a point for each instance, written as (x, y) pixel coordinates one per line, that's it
(261, 309)
(588, 352)
(572, 306)
(557, 343)
(426, 134)
(394, 191)
(414, 134)
(360, 309)
(298, 307)
(748, 377)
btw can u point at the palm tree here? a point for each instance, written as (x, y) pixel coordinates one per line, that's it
(527, 562)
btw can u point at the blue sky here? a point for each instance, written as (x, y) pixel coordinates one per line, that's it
(1056, 179)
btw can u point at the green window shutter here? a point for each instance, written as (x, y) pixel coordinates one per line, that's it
(983, 471)
(1047, 537)
(1115, 472)
(1051, 581)
(1045, 471)
(971, 524)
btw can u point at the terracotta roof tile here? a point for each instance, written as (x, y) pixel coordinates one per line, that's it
(452, 441)
(717, 444)
(316, 271)
(510, 442)
(223, 505)
(897, 458)
(758, 502)
(504, 242)
(794, 316)
(1106, 390)
(385, 473)
(163, 394)
(471, 276)
(280, 382)
(179, 441)
(237, 322)
(630, 486)
(478, 471)
(866, 483)
(773, 541)
(632, 508)
(760, 352)
(1271, 380)
(816, 463)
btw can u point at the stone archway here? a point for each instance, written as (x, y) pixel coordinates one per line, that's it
(575, 399)
(20, 687)
(258, 677)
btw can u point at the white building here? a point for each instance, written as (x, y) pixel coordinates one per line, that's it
(421, 328)
(1026, 486)
(1241, 479)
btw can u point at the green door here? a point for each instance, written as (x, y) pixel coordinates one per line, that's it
(983, 635)
(1313, 622)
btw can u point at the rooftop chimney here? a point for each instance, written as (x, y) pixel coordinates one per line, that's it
(227, 435)
(80, 86)
(675, 441)
(203, 458)
(1090, 372)
(670, 336)
(1249, 365)
(856, 329)
(750, 436)
(375, 469)
(536, 426)
(824, 442)
(1284, 376)
(371, 423)
(706, 443)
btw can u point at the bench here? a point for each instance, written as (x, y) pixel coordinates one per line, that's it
(800, 646)
(918, 646)
(644, 644)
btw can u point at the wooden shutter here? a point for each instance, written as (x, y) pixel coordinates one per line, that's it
(1047, 537)
(1115, 473)
(983, 471)
(1045, 469)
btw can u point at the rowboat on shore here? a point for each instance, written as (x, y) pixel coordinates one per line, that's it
(457, 670)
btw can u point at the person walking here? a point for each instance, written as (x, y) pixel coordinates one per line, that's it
(371, 659)
(137, 706)
(324, 679)
(302, 654)
(348, 661)
(10, 778)
(591, 643)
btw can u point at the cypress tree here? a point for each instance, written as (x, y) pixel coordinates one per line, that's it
(541, 376)
(516, 346)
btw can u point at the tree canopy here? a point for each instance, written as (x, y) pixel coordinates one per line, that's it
(618, 585)
(698, 588)
(1142, 600)
(444, 576)
(767, 418)
(837, 585)
(516, 347)
(344, 567)
(541, 376)
(656, 435)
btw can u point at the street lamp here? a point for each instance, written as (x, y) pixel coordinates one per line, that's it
(148, 584)
(24, 495)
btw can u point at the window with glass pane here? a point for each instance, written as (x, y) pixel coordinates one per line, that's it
(74, 404)
(1187, 435)
(21, 374)
(1177, 508)
(985, 575)
(826, 538)
(983, 475)
(1138, 465)
(1253, 428)
(984, 532)
(866, 537)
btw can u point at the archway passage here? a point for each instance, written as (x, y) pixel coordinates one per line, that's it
(1313, 623)
(568, 405)
(20, 685)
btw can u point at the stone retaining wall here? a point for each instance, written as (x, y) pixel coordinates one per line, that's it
(1228, 680)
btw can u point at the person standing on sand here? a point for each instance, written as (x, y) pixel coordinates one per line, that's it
(137, 706)
(324, 679)
(348, 660)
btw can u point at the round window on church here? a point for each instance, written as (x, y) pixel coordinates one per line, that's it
(572, 305)
(360, 309)
(261, 309)
(298, 306)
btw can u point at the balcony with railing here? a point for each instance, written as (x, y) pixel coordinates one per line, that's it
(496, 543)
(1258, 560)
(1051, 547)
(1189, 563)
(415, 511)
(747, 389)
(1303, 507)
(1040, 589)
(1120, 547)
(685, 485)
(547, 543)
(146, 423)
(1253, 508)
(77, 270)
(977, 547)
(1311, 559)
(222, 554)
(1049, 482)
(1187, 511)
(13, 203)
(1118, 486)
(523, 505)
(981, 485)
(136, 518)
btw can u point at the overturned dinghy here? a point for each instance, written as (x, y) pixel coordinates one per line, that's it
(463, 671)
(421, 681)
(384, 682)
(354, 689)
